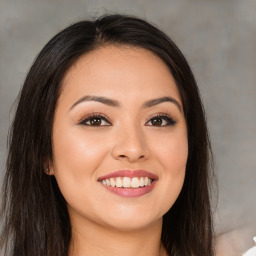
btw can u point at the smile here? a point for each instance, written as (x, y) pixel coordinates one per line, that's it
(126, 182)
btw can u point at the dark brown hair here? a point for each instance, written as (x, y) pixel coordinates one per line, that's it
(36, 220)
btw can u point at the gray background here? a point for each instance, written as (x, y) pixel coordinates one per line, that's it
(219, 40)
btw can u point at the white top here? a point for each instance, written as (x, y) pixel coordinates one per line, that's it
(252, 251)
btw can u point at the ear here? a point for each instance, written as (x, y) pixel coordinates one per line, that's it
(48, 168)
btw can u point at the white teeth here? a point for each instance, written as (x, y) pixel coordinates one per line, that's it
(127, 182)
(135, 183)
(119, 182)
(112, 182)
(142, 182)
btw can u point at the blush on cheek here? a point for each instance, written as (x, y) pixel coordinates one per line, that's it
(175, 157)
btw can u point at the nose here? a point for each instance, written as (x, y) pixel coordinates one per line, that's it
(130, 145)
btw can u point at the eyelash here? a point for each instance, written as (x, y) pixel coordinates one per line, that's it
(169, 120)
(91, 117)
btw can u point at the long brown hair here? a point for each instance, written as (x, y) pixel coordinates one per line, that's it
(36, 220)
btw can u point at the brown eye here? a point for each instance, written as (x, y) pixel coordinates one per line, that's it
(157, 121)
(161, 120)
(95, 121)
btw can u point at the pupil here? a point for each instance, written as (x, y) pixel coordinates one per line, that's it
(157, 121)
(96, 121)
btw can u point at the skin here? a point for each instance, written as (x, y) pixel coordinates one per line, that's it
(104, 223)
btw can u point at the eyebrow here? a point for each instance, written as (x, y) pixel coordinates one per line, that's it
(153, 102)
(104, 100)
(115, 103)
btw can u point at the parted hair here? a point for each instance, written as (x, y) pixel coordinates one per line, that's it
(35, 220)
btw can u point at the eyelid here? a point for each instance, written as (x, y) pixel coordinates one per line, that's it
(161, 114)
(106, 119)
(94, 114)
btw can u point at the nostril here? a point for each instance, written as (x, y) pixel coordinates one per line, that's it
(124, 156)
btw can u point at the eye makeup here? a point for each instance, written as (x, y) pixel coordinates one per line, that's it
(95, 119)
(161, 119)
(99, 120)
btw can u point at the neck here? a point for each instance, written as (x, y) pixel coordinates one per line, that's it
(95, 240)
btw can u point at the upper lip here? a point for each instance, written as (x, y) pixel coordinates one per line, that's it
(130, 174)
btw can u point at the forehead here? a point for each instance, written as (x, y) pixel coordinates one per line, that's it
(120, 70)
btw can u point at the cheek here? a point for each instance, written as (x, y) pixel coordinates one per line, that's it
(75, 159)
(172, 154)
(74, 150)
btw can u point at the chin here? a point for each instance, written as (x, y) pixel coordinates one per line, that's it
(132, 222)
(131, 226)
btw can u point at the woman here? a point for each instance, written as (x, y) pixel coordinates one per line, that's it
(109, 148)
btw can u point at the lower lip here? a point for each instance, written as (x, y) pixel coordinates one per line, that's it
(130, 192)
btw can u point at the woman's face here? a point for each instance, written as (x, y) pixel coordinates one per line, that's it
(119, 138)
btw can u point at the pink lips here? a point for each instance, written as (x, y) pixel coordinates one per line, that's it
(130, 192)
